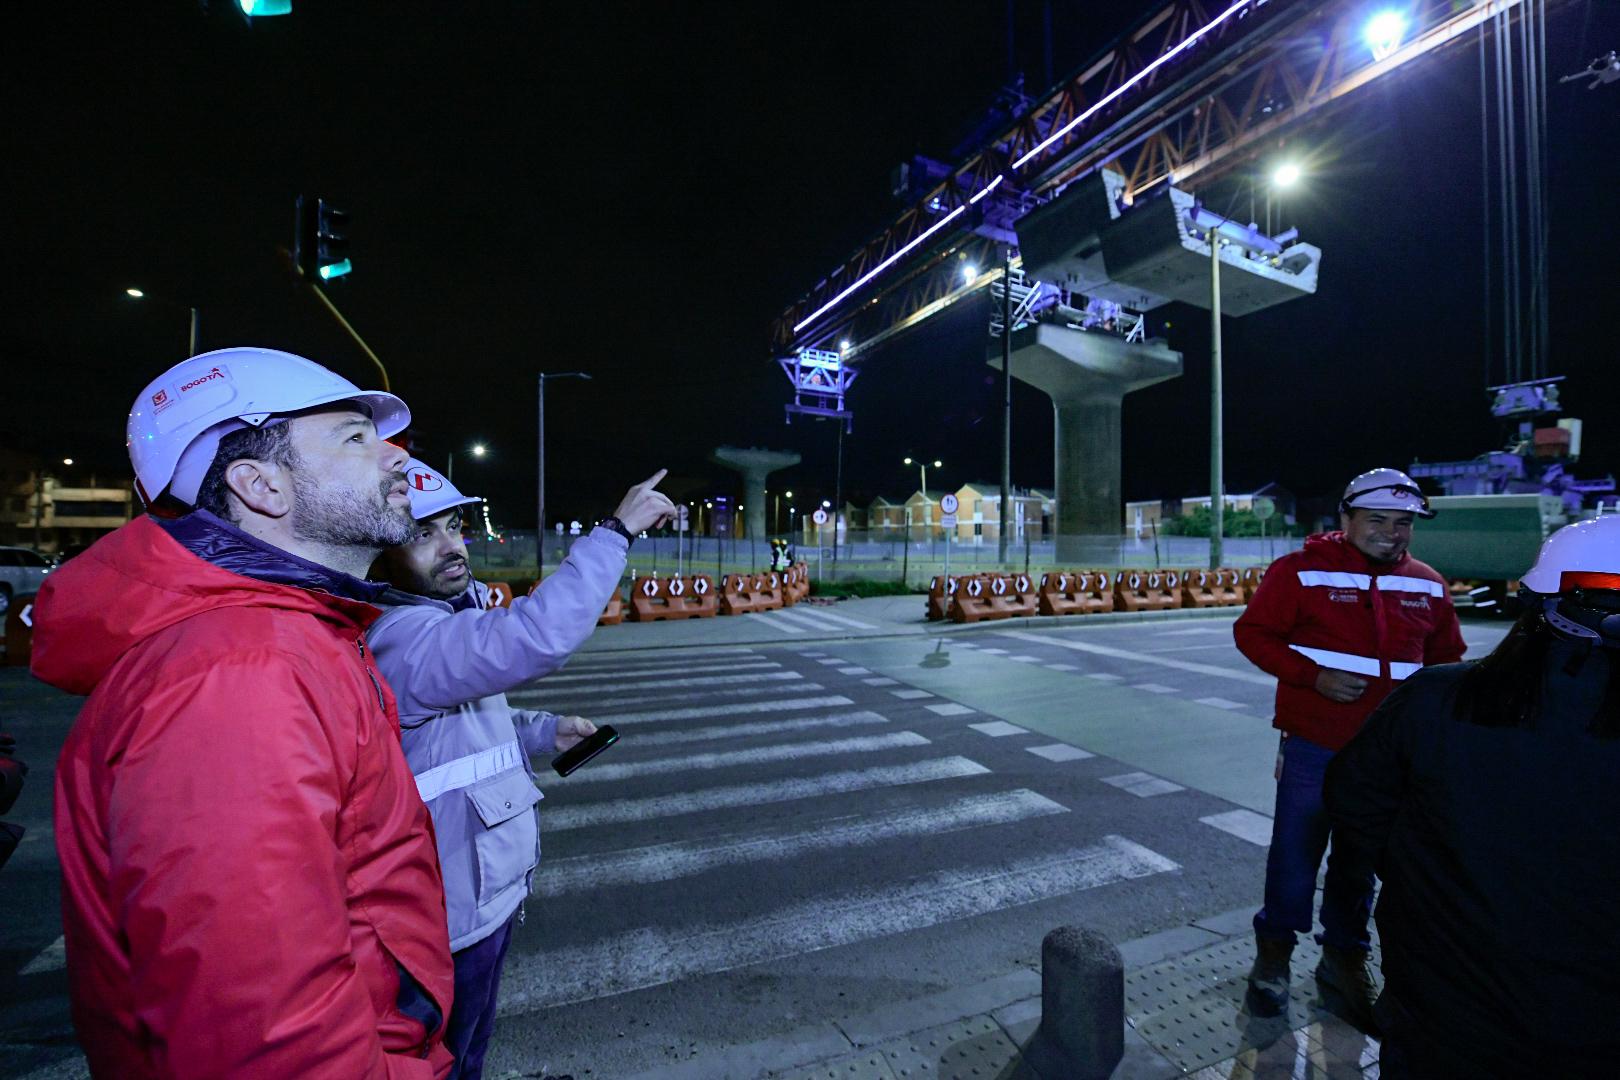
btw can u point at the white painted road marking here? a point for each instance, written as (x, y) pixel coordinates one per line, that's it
(1060, 752)
(664, 862)
(52, 957)
(853, 671)
(544, 687)
(608, 674)
(1026, 659)
(619, 661)
(910, 695)
(581, 815)
(815, 620)
(653, 955)
(1061, 667)
(997, 729)
(1142, 785)
(823, 613)
(1243, 824)
(1227, 630)
(1153, 687)
(861, 744)
(703, 712)
(993, 652)
(950, 709)
(678, 736)
(590, 703)
(1103, 676)
(831, 661)
(1220, 702)
(879, 680)
(1144, 658)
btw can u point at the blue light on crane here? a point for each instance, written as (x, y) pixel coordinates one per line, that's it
(1384, 32)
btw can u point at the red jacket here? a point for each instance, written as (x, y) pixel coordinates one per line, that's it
(247, 869)
(1329, 606)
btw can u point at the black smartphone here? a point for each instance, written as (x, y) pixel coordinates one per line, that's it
(571, 759)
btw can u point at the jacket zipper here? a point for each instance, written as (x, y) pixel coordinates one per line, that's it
(360, 643)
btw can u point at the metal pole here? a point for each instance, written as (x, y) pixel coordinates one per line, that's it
(1217, 482)
(195, 328)
(540, 498)
(1006, 405)
(351, 331)
(450, 466)
(838, 488)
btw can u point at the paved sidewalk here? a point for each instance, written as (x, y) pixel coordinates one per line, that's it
(1185, 1016)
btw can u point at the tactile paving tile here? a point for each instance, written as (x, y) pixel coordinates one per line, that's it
(866, 1065)
(972, 1049)
(1191, 1007)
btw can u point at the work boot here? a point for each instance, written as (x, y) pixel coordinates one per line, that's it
(1348, 974)
(1268, 979)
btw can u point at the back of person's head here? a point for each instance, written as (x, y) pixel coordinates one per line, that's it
(1572, 596)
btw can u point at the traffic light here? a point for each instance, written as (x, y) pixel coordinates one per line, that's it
(261, 8)
(321, 244)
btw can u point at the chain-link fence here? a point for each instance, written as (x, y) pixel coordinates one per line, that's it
(885, 558)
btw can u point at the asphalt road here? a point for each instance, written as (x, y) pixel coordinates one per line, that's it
(790, 834)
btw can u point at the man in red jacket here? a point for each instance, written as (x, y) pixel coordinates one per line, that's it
(250, 887)
(1339, 624)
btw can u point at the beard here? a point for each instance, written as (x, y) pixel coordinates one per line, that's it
(346, 517)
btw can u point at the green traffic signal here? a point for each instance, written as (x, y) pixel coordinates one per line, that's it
(256, 8)
(337, 269)
(321, 240)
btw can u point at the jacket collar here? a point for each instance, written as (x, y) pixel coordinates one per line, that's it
(217, 541)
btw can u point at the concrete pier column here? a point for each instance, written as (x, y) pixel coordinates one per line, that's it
(755, 465)
(1087, 375)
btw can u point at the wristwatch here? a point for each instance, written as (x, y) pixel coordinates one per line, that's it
(617, 526)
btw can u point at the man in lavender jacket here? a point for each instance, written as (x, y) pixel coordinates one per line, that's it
(450, 657)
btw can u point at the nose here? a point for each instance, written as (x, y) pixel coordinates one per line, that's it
(394, 457)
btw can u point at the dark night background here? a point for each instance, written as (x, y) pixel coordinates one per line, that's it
(635, 190)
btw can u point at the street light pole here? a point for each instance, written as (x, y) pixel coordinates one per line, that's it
(1006, 406)
(540, 500)
(1217, 481)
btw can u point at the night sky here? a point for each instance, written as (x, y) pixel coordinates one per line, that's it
(635, 190)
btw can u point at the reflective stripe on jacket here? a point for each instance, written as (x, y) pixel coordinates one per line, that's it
(1329, 606)
(451, 666)
(249, 885)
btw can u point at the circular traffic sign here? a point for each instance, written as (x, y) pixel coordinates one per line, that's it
(948, 504)
(819, 517)
(1264, 507)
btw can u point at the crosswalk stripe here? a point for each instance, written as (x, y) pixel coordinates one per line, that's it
(620, 660)
(750, 664)
(678, 736)
(611, 687)
(1219, 672)
(802, 618)
(653, 955)
(581, 815)
(575, 702)
(703, 712)
(665, 862)
(861, 744)
(1243, 824)
(823, 613)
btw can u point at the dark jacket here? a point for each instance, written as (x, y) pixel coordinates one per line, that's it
(1329, 606)
(1499, 849)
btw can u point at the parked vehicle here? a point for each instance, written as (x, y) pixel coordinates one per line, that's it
(22, 571)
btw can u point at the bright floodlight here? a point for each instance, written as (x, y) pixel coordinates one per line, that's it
(969, 271)
(136, 293)
(478, 449)
(939, 464)
(843, 346)
(1384, 32)
(908, 461)
(67, 461)
(1287, 175)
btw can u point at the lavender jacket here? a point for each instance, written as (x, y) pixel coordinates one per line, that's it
(450, 665)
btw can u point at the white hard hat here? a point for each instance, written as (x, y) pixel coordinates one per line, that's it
(431, 491)
(176, 422)
(1385, 489)
(1583, 555)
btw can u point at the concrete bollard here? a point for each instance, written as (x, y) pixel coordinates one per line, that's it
(1082, 1032)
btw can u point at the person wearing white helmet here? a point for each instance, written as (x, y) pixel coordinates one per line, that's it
(250, 885)
(1340, 624)
(1485, 794)
(451, 656)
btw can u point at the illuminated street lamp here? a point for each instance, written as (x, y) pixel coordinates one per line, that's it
(923, 466)
(137, 293)
(1384, 31)
(1286, 175)
(477, 450)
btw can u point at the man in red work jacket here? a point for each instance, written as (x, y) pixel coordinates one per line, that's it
(1339, 623)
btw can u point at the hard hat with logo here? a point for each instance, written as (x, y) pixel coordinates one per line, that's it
(176, 422)
(431, 491)
(1583, 555)
(1385, 489)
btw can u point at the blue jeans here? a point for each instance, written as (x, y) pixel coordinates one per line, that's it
(472, 1016)
(1299, 836)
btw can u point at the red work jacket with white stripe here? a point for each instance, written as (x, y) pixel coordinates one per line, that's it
(1329, 606)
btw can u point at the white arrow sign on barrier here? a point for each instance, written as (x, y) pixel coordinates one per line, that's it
(27, 615)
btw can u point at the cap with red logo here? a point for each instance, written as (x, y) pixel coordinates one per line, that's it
(431, 491)
(176, 423)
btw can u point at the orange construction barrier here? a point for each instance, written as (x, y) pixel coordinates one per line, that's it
(1229, 588)
(1098, 588)
(1131, 591)
(940, 590)
(971, 600)
(1198, 589)
(692, 598)
(649, 600)
(801, 582)
(1250, 580)
(736, 594)
(767, 589)
(1011, 595)
(1061, 593)
(1168, 591)
(500, 593)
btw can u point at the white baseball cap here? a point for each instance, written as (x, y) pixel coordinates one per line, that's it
(431, 491)
(177, 421)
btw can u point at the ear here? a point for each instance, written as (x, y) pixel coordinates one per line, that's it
(263, 488)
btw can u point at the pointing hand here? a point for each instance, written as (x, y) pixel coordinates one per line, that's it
(644, 508)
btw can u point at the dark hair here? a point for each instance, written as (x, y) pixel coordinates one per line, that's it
(272, 444)
(1504, 688)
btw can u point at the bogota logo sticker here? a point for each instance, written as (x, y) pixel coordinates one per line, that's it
(422, 480)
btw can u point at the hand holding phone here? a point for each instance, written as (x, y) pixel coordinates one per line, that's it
(571, 759)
